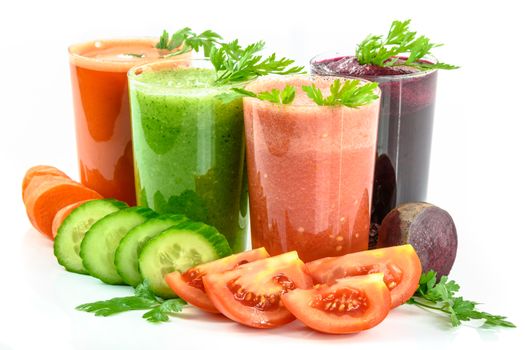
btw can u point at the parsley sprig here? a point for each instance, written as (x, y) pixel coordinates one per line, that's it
(284, 96)
(385, 52)
(441, 296)
(234, 63)
(191, 40)
(350, 94)
(159, 310)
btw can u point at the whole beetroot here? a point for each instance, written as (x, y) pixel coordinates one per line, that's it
(429, 229)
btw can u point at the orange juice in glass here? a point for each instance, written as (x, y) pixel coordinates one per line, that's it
(102, 118)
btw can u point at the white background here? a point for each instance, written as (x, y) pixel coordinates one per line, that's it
(476, 171)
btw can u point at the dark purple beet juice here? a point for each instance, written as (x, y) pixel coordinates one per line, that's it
(405, 128)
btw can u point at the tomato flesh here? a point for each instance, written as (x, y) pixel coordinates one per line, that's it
(346, 300)
(251, 294)
(399, 265)
(262, 302)
(348, 305)
(189, 285)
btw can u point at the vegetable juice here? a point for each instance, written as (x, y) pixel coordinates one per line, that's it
(102, 118)
(188, 139)
(310, 171)
(405, 128)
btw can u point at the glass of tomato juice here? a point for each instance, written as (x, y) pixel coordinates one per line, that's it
(310, 171)
(102, 118)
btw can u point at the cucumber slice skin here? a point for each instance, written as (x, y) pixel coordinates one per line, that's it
(101, 241)
(127, 254)
(81, 219)
(179, 248)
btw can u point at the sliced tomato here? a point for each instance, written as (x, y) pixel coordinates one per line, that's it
(400, 266)
(349, 305)
(189, 286)
(251, 294)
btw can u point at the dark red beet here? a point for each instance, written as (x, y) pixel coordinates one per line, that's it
(429, 229)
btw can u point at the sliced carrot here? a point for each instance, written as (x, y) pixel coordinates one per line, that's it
(38, 181)
(37, 171)
(62, 214)
(45, 198)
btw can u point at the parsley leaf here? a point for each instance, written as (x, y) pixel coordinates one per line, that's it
(284, 96)
(441, 296)
(117, 305)
(144, 299)
(350, 94)
(384, 52)
(162, 312)
(191, 40)
(233, 63)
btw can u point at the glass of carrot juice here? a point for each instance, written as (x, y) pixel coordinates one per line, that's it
(102, 118)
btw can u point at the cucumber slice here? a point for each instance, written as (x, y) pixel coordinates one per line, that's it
(101, 241)
(127, 254)
(177, 249)
(72, 230)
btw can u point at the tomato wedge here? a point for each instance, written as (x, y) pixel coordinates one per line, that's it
(189, 286)
(251, 294)
(349, 305)
(400, 266)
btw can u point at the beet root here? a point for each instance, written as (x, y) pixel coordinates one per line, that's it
(429, 229)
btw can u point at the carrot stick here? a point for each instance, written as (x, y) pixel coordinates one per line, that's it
(37, 171)
(46, 197)
(62, 214)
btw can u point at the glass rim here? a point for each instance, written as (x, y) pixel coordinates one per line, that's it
(171, 63)
(312, 77)
(76, 53)
(379, 78)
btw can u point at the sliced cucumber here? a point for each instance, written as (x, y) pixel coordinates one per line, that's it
(127, 254)
(72, 230)
(101, 241)
(177, 249)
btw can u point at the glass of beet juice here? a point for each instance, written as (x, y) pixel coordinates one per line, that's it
(405, 127)
(310, 170)
(102, 117)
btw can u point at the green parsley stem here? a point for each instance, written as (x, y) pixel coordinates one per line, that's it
(420, 304)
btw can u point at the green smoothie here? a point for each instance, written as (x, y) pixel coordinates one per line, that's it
(188, 142)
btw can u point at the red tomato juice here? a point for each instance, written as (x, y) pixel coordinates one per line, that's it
(310, 171)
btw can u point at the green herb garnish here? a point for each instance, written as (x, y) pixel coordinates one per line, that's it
(351, 94)
(144, 299)
(192, 41)
(284, 96)
(440, 296)
(234, 63)
(400, 41)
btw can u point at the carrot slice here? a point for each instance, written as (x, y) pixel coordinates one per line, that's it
(37, 171)
(62, 214)
(38, 181)
(45, 198)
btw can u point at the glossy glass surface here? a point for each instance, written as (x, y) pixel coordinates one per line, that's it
(310, 172)
(102, 118)
(188, 139)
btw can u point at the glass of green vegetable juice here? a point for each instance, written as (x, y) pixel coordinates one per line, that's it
(188, 143)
